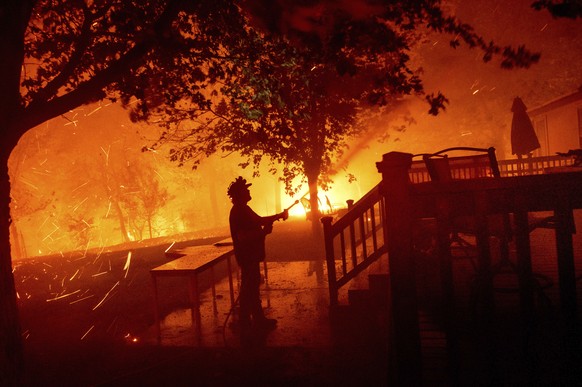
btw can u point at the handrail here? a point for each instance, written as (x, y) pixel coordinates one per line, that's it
(348, 237)
(364, 244)
(478, 198)
(533, 165)
(510, 167)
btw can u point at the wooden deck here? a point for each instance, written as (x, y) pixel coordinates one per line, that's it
(507, 350)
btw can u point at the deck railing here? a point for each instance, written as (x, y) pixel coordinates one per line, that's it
(354, 242)
(532, 165)
(406, 204)
(356, 239)
(382, 223)
(510, 167)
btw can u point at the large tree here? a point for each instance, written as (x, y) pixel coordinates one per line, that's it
(60, 54)
(297, 97)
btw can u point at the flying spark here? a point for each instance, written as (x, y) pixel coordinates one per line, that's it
(157, 173)
(51, 233)
(82, 185)
(78, 205)
(28, 183)
(106, 295)
(74, 275)
(108, 209)
(127, 263)
(93, 111)
(86, 333)
(169, 247)
(71, 122)
(44, 172)
(63, 296)
(81, 299)
(106, 154)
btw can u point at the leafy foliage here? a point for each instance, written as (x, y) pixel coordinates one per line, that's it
(294, 93)
(571, 9)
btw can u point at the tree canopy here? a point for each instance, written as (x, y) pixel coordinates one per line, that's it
(295, 97)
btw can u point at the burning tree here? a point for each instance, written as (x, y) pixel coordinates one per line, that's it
(60, 54)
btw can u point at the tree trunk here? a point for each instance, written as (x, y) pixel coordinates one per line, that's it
(123, 229)
(14, 18)
(150, 227)
(312, 180)
(11, 355)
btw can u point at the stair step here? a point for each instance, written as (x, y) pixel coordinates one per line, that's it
(354, 325)
(365, 299)
(376, 294)
(360, 297)
(379, 284)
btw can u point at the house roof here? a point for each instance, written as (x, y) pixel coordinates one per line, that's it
(559, 102)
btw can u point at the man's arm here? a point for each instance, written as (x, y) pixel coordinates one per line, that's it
(269, 220)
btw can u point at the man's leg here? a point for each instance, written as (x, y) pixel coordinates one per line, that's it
(245, 297)
(259, 318)
(254, 284)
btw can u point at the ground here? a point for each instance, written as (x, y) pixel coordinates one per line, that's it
(87, 319)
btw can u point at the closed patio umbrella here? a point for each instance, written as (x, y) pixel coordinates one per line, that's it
(523, 135)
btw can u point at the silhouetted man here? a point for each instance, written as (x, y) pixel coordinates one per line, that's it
(248, 231)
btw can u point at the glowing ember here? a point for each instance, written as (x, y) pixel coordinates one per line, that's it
(127, 263)
(86, 333)
(169, 247)
(63, 296)
(105, 297)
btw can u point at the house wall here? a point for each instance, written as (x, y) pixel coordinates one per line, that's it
(559, 129)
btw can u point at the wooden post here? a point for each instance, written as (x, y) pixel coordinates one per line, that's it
(330, 259)
(350, 203)
(566, 266)
(524, 266)
(485, 290)
(395, 187)
(195, 307)
(213, 282)
(445, 260)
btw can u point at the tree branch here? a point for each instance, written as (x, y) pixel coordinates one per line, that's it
(93, 89)
(81, 45)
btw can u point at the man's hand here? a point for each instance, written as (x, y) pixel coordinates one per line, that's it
(285, 215)
(268, 228)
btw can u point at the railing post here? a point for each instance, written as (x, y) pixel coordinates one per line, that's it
(565, 251)
(330, 260)
(398, 218)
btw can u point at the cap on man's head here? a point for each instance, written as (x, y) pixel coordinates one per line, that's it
(237, 187)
